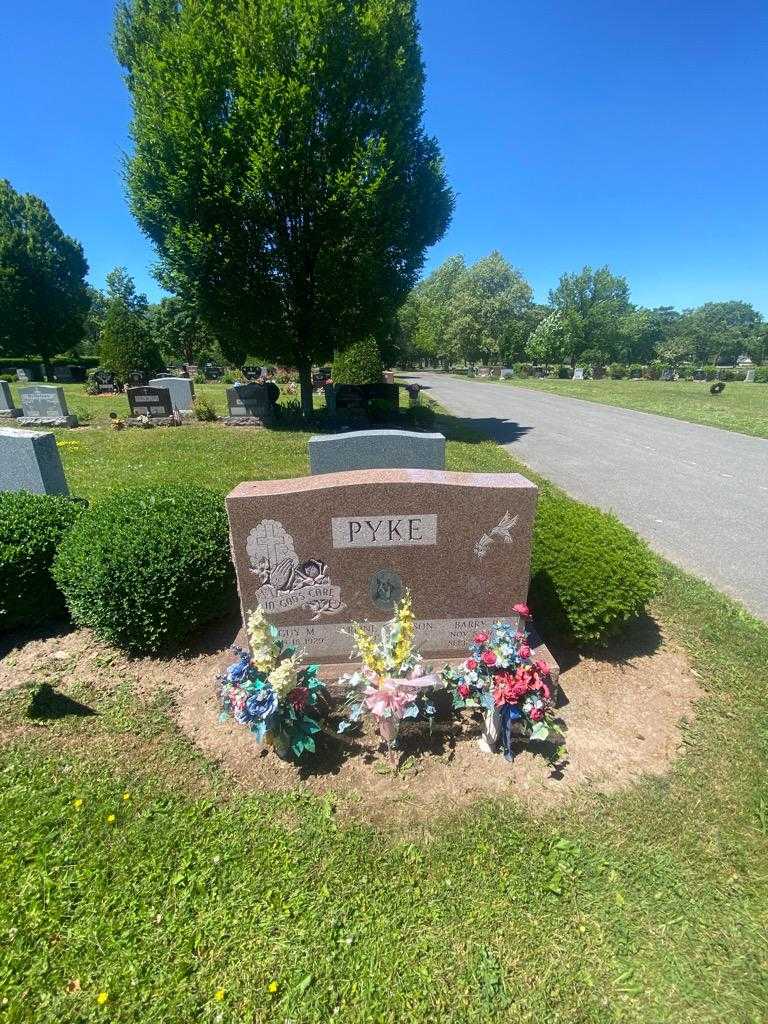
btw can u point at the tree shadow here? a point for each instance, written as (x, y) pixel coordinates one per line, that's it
(478, 431)
(19, 638)
(48, 704)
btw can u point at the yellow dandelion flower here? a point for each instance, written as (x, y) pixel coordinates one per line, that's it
(102, 997)
(273, 987)
(218, 995)
(126, 796)
(78, 804)
(111, 819)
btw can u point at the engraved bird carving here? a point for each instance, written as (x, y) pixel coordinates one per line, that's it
(502, 531)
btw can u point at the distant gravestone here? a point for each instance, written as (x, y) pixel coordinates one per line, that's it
(699, 375)
(153, 402)
(507, 373)
(45, 407)
(578, 373)
(137, 379)
(69, 374)
(212, 372)
(375, 449)
(104, 381)
(7, 409)
(250, 405)
(667, 374)
(30, 461)
(750, 377)
(182, 391)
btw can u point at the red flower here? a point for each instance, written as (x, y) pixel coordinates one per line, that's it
(524, 651)
(509, 689)
(536, 715)
(471, 664)
(489, 658)
(298, 697)
(481, 638)
(464, 690)
(523, 610)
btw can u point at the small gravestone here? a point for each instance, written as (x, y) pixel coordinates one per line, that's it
(45, 407)
(136, 379)
(212, 372)
(376, 449)
(182, 391)
(105, 382)
(30, 461)
(578, 373)
(668, 374)
(750, 377)
(251, 405)
(7, 409)
(699, 375)
(507, 373)
(151, 404)
(69, 374)
(414, 394)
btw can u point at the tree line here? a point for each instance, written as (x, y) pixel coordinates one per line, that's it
(485, 312)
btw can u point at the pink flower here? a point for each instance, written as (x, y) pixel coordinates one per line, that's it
(542, 667)
(489, 658)
(471, 665)
(481, 638)
(524, 651)
(536, 715)
(509, 689)
(388, 697)
(523, 610)
(464, 690)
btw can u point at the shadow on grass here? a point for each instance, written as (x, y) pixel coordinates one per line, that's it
(48, 704)
(18, 638)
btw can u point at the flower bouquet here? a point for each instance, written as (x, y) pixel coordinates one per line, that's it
(270, 693)
(392, 683)
(500, 678)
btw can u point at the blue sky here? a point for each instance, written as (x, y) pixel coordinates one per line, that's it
(629, 133)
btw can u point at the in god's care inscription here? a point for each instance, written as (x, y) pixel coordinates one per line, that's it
(383, 531)
(321, 552)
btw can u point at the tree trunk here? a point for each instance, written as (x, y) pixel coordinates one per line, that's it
(305, 387)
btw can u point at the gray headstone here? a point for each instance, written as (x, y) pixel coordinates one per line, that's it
(578, 373)
(153, 402)
(181, 388)
(249, 400)
(667, 374)
(376, 449)
(30, 461)
(45, 406)
(750, 377)
(507, 373)
(7, 409)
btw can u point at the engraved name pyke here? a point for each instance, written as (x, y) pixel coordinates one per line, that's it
(383, 531)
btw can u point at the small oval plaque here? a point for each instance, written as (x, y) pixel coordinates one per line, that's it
(385, 589)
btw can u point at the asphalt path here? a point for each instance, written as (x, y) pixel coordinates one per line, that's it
(699, 495)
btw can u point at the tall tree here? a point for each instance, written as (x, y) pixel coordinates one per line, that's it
(280, 165)
(490, 307)
(179, 331)
(126, 342)
(592, 304)
(43, 294)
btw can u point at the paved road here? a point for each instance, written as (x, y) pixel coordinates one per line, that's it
(699, 495)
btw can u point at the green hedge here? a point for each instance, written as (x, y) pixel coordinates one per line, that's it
(145, 567)
(589, 574)
(31, 529)
(359, 363)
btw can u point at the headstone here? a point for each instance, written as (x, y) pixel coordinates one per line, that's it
(182, 391)
(750, 377)
(69, 374)
(699, 375)
(45, 407)
(354, 399)
(321, 552)
(389, 377)
(507, 373)
(578, 373)
(104, 381)
(137, 379)
(376, 449)
(153, 402)
(30, 461)
(414, 394)
(212, 372)
(667, 374)
(250, 405)
(7, 409)
(30, 373)
(252, 372)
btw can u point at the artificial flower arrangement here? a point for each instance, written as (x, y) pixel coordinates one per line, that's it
(500, 678)
(392, 683)
(270, 693)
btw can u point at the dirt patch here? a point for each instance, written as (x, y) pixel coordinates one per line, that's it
(621, 711)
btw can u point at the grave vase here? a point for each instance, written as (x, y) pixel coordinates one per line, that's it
(489, 741)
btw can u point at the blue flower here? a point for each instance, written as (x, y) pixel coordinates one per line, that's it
(262, 704)
(236, 673)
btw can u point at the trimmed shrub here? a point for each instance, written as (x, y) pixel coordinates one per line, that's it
(589, 573)
(144, 567)
(359, 363)
(711, 372)
(31, 529)
(653, 370)
(617, 371)
(564, 372)
(761, 375)
(636, 370)
(204, 409)
(523, 369)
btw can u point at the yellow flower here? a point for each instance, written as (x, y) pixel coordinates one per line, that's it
(283, 678)
(262, 644)
(368, 651)
(102, 997)
(111, 819)
(218, 995)
(405, 619)
(78, 804)
(273, 986)
(126, 796)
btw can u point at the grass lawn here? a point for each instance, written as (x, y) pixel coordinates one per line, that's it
(130, 868)
(741, 407)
